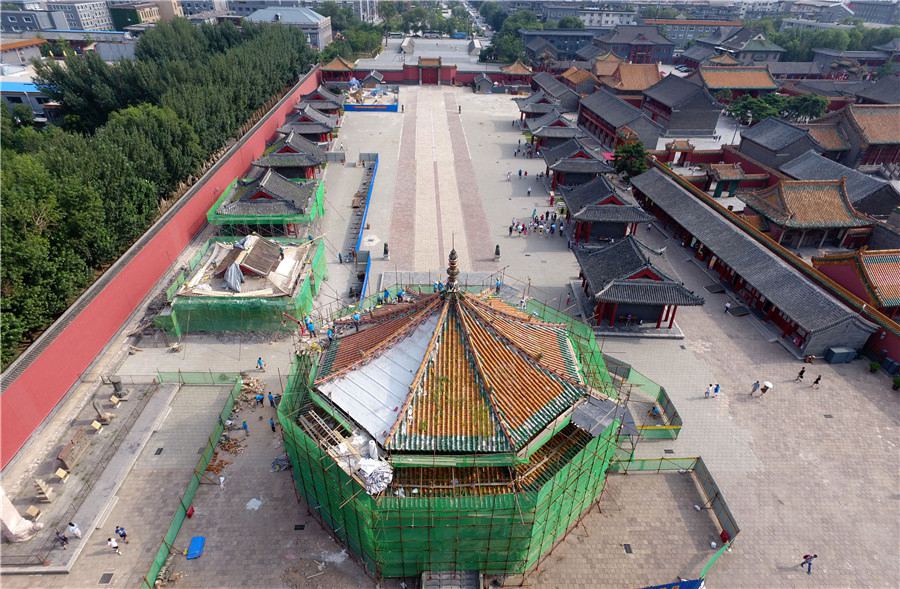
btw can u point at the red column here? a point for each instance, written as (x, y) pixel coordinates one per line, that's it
(672, 318)
(598, 312)
(612, 320)
(662, 314)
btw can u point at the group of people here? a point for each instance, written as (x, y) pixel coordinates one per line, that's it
(74, 530)
(545, 225)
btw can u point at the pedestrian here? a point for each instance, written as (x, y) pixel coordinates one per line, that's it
(520, 172)
(765, 389)
(727, 306)
(387, 296)
(74, 530)
(526, 173)
(402, 108)
(754, 388)
(245, 427)
(716, 391)
(63, 541)
(356, 320)
(509, 176)
(529, 191)
(271, 400)
(807, 561)
(816, 382)
(520, 143)
(330, 334)
(510, 230)
(121, 533)
(800, 375)
(340, 258)
(260, 365)
(259, 400)
(709, 390)
(497, 286)
(272, 424)
(311, 328)
(460, 108)
(114, 545)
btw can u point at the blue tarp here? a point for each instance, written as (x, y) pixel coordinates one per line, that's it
(196, 547)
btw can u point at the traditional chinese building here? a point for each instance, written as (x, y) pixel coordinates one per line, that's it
(872, 275)
(625, 288)
(871, 133)
(575, 162)
(774, 142)
(809, 213)
(294, 157)
(629, 80)
(755, 81)
(311, 124)
(682, 107)
(599, 213)
(324, 101)
(612, 121)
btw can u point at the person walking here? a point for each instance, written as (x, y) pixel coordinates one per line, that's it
(510, 230)
(728, 306)
(709, 391)
(716, 391)
(245, 427)
(529, 191)
(271, 400)
(509, 176)
(356, 320)
(497, 286)
(520, 172)
(260, 365)
(272, 424)
(74, 530)
(330, 334)
(63, 541)
(121, 533)
(114, 545)
(816, 382)
(808, 561)
(460, 108)
(754, 388)
(800, 375)
(260, 400)
(765, 388)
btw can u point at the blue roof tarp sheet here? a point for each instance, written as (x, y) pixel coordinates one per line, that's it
(196, 547)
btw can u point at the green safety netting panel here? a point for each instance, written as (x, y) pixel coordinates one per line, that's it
(217, 314)
(394, 536)
(316, 210)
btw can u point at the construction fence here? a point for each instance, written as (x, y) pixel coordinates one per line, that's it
(670, 422)
(495, 528)
(161, 560)
(217, 314)
(265, 224)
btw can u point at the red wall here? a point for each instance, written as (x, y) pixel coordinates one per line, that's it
(29, 399)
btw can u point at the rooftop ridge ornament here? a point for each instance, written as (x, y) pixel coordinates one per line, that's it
(452, 272)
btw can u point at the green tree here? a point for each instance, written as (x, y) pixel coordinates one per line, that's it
(630, 159)
(570, 22)
(805, 107)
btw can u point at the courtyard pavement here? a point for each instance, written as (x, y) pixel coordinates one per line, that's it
(803, 469)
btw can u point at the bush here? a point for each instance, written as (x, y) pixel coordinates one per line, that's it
(874, 366)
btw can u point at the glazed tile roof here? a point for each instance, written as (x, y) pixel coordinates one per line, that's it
(737, 78)
(828, 136)
(879, 271)
(806, 204)
(723, 60)
(338, 64)
(458, 373)
(727, 171)
(577, 76)
(613, 274)
(805, 303)
(879, 123)
(634, 77)
(517, 69)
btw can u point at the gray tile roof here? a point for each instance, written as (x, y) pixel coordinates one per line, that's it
(619, 113)
(774, 134)
(812, 166)
(567, 132)
(580, 165)
(698, 53)
(607, 270)
(307, 111)
(674, 92)
(546, 119)
(551, 85)
(628, 34)
(285, 197)
(612, 214)
(537, 108)
(572, 147)
(538, 96)
(287, 160)
(286, 15)
(795, 295)
(588, 193)
(777, 68)
(589, 52)
(885, 91)
(303, 128)
(324, 94)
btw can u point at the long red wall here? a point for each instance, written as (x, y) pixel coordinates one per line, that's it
(29, 399)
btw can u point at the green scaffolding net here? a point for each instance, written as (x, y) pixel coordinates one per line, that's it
(316, 209)
(188, 314)
(428, 519)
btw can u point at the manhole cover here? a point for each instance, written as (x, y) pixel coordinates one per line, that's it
(105, 578)
(627, 548)
(158, 452)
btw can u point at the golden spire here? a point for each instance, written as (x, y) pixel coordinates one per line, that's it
(452, 272)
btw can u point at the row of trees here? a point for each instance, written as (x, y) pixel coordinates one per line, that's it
(748, 109)
(76, 196)
(798, 44)
(506, 45)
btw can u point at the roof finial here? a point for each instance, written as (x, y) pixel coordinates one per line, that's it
(452, 272)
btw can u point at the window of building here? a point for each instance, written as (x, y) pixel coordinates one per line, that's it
(27, 19)
(12, 19)
(14, 99)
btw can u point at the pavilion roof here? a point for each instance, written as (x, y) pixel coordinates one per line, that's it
(879, 271)
(805, 204)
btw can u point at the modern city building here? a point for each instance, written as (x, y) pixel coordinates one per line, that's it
(316, 26)
(84, 15)
(593, 15)
(126, 15)
(23, 21)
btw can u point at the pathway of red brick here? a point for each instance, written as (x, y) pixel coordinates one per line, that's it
(403, 226)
